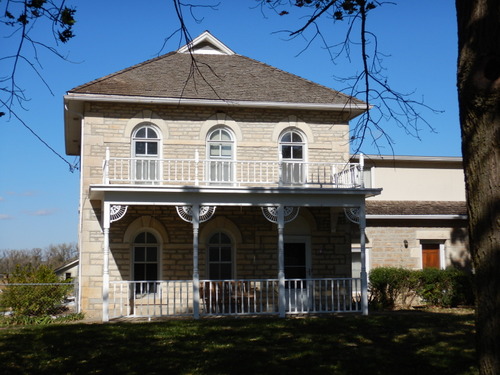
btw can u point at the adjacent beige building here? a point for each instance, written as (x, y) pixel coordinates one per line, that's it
(419, 219)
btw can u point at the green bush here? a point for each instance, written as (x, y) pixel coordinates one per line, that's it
(33, 291)
(392, 287)
(445, 288)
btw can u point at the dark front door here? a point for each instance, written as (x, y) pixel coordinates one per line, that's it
(295, 263)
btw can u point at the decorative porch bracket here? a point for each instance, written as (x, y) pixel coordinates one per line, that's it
(352, 213)
(117, 212)
(195, 214)
(271, 213)
(186, 213)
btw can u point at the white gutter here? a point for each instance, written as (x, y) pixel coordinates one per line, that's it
(417, 217)
(217, 103)
(407, 158)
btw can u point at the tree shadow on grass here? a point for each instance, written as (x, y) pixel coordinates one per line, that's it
(392, 343)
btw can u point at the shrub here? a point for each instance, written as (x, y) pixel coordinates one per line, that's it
(33, 291)
(445, 288)
(390, 286)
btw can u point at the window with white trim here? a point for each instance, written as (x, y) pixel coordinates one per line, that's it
(220, 257)
(220, 152)
(145, 262)
(146, 153)
(292, 156)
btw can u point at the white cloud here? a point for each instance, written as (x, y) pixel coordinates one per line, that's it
(27, 193)
(41, 212)
(5, 217)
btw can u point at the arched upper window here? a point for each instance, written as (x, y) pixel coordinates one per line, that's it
(145, 262)
(292, 150)
(146, 152)
(220, 257)
(292, 145)
(220, 153)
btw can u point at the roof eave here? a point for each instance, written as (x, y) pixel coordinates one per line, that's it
(73, 116)
(416, 217)
(73, 109)
(354, 109)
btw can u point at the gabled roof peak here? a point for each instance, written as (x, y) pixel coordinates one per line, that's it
(206, 44)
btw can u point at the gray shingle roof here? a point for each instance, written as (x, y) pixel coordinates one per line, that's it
(374, 207)
(212, 77)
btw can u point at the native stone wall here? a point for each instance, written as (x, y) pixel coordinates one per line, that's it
(183, 132)
(386, 241)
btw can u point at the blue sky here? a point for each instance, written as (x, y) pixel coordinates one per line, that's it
(38, 193)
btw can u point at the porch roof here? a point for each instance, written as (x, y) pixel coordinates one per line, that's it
(231, 196)
(376, 209)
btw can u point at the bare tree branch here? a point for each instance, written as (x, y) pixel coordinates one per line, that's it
(19, 21)
(370, 84)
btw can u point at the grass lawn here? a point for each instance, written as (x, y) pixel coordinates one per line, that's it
(386, 343)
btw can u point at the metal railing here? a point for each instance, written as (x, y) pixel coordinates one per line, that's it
(233, 297)
(150, 171)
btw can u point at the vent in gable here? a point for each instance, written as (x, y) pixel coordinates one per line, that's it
(207, 44)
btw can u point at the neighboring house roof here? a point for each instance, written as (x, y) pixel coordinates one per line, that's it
(399, 160)
(66, 266)
(415, 209)
(205, 72)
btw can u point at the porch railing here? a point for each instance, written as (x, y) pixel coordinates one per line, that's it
(233, 297)
(152, 171)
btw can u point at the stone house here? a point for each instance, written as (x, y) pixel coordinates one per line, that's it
(214, 184)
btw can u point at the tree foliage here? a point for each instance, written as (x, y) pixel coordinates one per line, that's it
(26, 25)
(359, 45)
(33, 300)
(26, 22)
(53, 256)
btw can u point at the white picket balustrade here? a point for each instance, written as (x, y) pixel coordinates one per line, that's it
(230, 173)
(233, 297)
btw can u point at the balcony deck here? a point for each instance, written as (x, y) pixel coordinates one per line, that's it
(193, 172)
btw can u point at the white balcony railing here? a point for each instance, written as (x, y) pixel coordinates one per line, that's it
(233, 297)
(194, 172)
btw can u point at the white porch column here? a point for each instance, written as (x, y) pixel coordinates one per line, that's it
(281, 261)
(364, 274)
(105, 271)
(196, 274)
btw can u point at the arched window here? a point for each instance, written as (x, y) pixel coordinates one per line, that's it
(220, 152)
(220, 257)
(146, 153)
(145, 258)
(292, 155)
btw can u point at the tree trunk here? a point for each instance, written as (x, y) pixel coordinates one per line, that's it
(479, 103)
